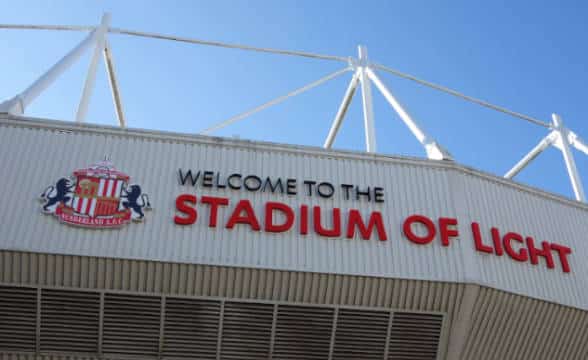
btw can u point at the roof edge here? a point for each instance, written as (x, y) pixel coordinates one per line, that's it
(161, 135)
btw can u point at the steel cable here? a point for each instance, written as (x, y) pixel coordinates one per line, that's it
(463, 96)
(285, 52)
(274, 101)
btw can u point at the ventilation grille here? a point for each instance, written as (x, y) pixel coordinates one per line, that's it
(149, 327)
(131, 325)
(415, 336)
(303, 332)
(191, 327)
(247, 330)
(361, 334)
(18, 319)
(69, 321)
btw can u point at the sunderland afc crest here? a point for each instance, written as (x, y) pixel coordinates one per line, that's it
(98, 197)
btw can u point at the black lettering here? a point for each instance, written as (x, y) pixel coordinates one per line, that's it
(273, 187)
(207, 179)
(184, 178)
(379, 194)
(218, 184)
(230, 182)
(346, 188)
(291, 186)
(359, 193)
(247, 181)
(309, 184)
(325, 190)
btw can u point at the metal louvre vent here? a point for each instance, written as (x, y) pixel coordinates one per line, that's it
(191, 327)
(69, 321)
(303, 332)
(361, 334)
(18, 319)
(415, 336)
(247, 330)
(131, 325)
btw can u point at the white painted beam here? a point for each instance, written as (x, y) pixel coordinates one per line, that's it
(91, 76)
(114, 88)
(19, 103)
(342, 110)
(538, 149)
(368, 106)
(432, 148)
(569, 158)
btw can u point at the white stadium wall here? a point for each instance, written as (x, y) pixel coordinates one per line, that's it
(35, 154)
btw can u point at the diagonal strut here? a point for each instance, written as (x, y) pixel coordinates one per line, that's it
(275, 101)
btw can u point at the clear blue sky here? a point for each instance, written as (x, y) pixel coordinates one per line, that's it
(529, 56)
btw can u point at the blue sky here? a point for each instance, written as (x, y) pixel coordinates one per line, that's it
(526, 56)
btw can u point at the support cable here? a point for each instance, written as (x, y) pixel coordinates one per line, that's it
(47, 27)
(463, 96)
(275, 101)
(179, 39)
(283, 52)
(227, 45)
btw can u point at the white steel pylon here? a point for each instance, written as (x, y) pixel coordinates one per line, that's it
(560, 137)
(366, 97)
(96, 39)
(364, 73)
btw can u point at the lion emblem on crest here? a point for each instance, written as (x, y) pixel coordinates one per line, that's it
(98, 196)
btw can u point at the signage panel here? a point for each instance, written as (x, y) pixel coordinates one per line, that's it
(239, 203)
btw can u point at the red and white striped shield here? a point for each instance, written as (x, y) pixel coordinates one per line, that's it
(96, 199)
(97, 196)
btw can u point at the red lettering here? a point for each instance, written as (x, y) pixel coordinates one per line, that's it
(522, 255)
(335, 231)
(534, 253)
(248, 218)
(284, 209)
(496, 240)
(303, 220)
(214, 203)
(445, 232)
(562, 252)
(375, 220)
(478, 240)
(182, 205)
(407, 228)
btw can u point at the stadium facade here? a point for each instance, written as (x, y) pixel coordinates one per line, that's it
(121, 244)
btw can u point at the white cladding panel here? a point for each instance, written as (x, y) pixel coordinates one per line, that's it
(35, 154)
